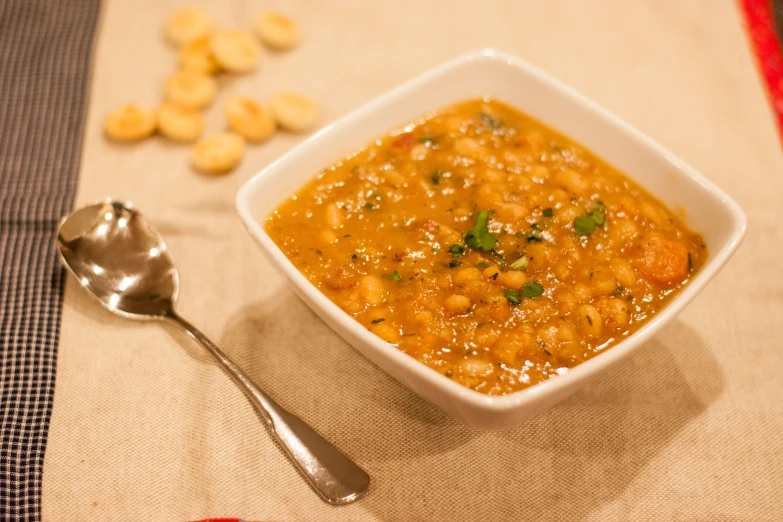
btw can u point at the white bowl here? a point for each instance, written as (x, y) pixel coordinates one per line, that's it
(708, 210)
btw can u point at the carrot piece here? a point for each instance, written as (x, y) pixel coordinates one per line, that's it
(662, 260)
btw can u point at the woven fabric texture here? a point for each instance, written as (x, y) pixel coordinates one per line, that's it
(146, 427)
(45, 54)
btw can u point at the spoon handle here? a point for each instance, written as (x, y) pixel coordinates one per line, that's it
(333, 475)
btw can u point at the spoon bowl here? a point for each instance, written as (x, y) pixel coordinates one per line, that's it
(121, 259)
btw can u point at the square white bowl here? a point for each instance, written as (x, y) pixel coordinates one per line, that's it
(708, 210)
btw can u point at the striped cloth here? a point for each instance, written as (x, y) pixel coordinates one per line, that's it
(45, 53)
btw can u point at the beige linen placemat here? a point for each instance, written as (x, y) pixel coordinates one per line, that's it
(146, 427)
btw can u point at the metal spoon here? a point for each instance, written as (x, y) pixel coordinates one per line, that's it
(121, 259)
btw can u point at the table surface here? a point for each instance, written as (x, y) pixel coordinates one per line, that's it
(146, 427)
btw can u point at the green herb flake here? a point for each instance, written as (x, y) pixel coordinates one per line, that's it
(427, 140)
(379, 320)
(598, 217)
(482, 264)
(501, 261)
(479, 237)
(369, 206)
(394, 276)
(527, 321)
(519, 264)
(532, 289)
(519, 234)
(454, 263)
(584, 226)
(534, 235)
(619, 290)
(512, 296)
(353, 258)
(456, 250)
(436, 177)
(547, 212)
(491, 122)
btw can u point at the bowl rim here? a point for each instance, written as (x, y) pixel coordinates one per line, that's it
(543, 389)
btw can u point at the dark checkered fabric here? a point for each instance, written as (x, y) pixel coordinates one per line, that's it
(45, 56)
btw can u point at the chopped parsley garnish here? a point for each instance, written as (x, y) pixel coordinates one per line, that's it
(456, 250)
(512, 296)
(379, 320)
(482, 264)
(547, 212)
(519, 264)
(454, 263)
(501, 261)
(585, 225)
(491, 122)
(436, 177)
(479, 237)
(428, 141)
(369, 206)
(534, 235)
(598, 217)
(519, 234)
(394, 276)
(353, 258)
(532, 289)
(619, 290)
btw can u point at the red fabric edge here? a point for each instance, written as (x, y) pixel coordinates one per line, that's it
(769, 58)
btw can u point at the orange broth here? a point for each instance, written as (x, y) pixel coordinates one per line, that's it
(487, 246)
